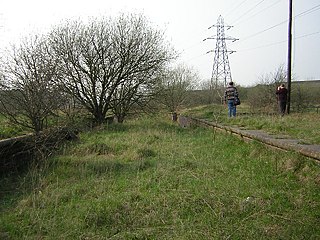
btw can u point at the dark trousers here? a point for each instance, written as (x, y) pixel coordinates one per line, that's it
(282, 107)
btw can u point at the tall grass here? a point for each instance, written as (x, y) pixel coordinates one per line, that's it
(8, 130)
(150, 179)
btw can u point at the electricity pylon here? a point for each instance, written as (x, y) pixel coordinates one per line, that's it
(221, 73)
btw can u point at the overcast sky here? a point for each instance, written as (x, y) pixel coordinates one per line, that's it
(260, 25)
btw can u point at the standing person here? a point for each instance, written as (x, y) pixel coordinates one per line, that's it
(229, 96)
(282, 94)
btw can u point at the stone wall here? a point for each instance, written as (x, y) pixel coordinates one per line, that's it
(17, 153)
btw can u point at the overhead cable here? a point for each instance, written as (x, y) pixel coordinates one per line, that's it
(249, 10)
(236, 7)
(311, 10)
(259, 12)
(276, 43)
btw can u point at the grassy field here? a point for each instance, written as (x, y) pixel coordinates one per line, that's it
(150, 179)
(302, 126)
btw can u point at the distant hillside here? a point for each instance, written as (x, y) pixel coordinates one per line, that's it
(303, 93)
(306, 82)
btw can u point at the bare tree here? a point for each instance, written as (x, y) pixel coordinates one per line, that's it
(134, 94)
(28, 93)
(263, 95)
(105, 55)
(85, 63)
(145, 53)
(175, 86)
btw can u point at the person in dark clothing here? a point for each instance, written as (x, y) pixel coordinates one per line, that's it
(229, 95)
(282, 94)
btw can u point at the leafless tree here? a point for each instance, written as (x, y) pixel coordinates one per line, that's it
(263, 97)
(102, 60)
(134, 94)
(176, 84)
(145, 53)
(28, 93)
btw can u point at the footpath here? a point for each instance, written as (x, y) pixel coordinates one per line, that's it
(277, 141)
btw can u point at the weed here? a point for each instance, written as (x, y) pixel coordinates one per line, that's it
(154, 180)
(146, 153)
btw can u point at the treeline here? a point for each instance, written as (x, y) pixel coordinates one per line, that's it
(112, 67)
(304, 96)
(103, 67)
(262, 98)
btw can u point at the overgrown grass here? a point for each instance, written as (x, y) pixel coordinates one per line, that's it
(8, 130)
(150, 179)
(302, 126)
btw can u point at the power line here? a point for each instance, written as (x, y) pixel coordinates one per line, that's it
(263, 46)
(307, 35)
(198, 56)
(236, 7)
(255, 34)
(311, 10)
(191, 46)
(276, 43)
(249, 10)
(275, 3)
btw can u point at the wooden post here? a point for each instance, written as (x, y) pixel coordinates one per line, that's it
(289, 56)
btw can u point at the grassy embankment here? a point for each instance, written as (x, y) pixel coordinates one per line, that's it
(150, 179)
(8, 130)
(303, 126)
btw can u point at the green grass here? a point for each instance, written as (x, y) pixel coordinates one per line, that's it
(303, 126)
(8, 130)
(150, 179)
